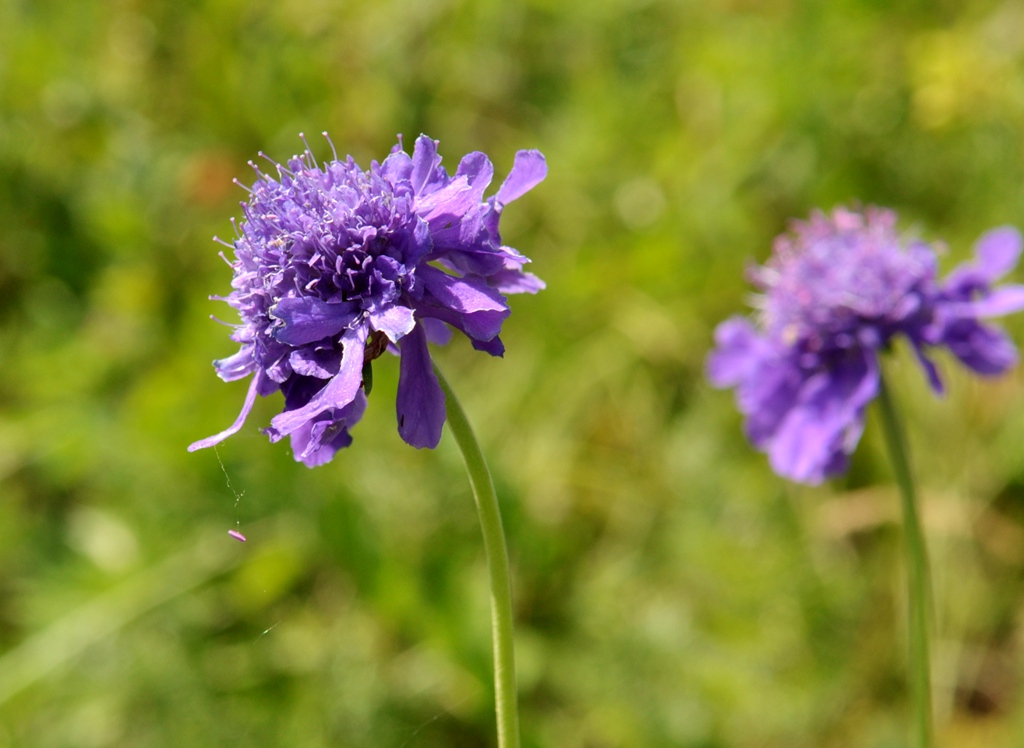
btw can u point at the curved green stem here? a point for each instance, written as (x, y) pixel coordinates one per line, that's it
(919, 592)
(497, 564)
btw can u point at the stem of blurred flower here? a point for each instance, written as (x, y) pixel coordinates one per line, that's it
(505, 698)
(919, 586)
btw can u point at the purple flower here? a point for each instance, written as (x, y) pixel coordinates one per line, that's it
(334, 265)
(833, 295)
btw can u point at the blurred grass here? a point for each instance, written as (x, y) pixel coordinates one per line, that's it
(670, 590)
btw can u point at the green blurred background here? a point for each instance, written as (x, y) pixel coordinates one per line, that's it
(670, 590)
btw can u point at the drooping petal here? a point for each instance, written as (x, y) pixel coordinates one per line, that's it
(767, 395)
(982, 348)
(337, 393)
(528, 170)
(827, 417)
(494, 346)
(420, 402)
(307, 319)
(250, 398)
(316, 442)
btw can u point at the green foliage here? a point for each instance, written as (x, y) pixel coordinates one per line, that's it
(670, 590)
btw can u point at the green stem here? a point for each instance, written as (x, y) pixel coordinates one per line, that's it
(917, 572)
(497, 565)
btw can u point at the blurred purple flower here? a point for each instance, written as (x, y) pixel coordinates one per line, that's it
(836, 292)
(334, 265)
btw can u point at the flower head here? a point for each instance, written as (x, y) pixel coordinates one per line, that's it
(334, 265)
(836, 291)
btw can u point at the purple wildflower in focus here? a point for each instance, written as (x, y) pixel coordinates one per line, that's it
(833, 295)
(334, 265)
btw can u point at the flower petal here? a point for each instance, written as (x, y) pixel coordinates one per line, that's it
(999, 302)
(397, 167)
(437, 331)
(528, 170)
(235, 367)
(827, 420)
(998, 251)
(420, 403)
(395, 321)
(739, 348)
(424, 163)
(512, 279)
(982, 348)
(464, 295)
(445, 207)
(250, 398)
(478, 171)
(307, 319)
(321, 363)
(316, 442)
(480, 326)
(337, 393)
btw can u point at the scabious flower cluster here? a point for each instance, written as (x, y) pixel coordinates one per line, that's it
(334, 265)
(833, 295)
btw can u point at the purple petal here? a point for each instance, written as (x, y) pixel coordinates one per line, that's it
(999, 302)
(826, 422)
(767, 395)
(512, 279)
(437, 331)
(307, 319)
(446, 206)
(464, 295)
(481, 326)
(337, 393)
(321, 363)
(469, 232)
(982, 348)
(998, 251)
(424, 162)
(929, 367)
(528, 170)
(235, 367)
(484, 261)
(739, 349)
(395, 321)
(397, 167)
(494, 346)
(478, 171)
(420, 402)
(316, 442)
(250, 398)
